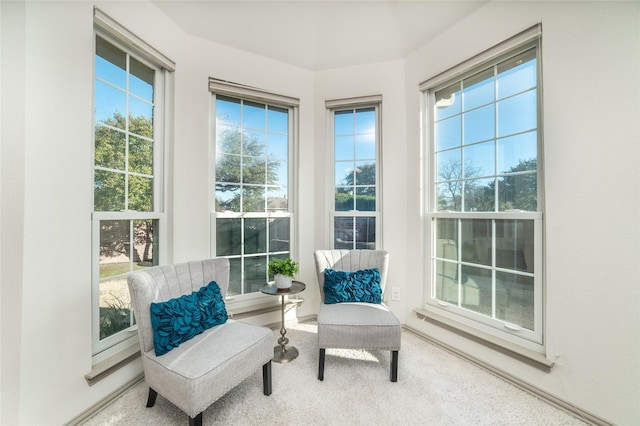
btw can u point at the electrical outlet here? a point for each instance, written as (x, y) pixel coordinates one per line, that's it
(395, 294)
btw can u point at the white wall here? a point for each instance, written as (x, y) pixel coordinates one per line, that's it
(591, 146)
(591, 69)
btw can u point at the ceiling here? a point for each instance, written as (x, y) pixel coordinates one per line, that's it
(318, 35)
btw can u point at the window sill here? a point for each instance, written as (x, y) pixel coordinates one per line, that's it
(527, 356)
(105, 367)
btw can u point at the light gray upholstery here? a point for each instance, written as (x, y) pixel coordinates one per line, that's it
(201, 370)
(355, 325)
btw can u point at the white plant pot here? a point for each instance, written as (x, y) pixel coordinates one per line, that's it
(282, 281)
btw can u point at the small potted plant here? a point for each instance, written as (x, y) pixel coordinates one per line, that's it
(283, 270)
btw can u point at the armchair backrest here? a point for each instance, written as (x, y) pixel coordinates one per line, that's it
(161, 283)
(351, 261)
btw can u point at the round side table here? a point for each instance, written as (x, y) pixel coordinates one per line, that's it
(283, 353)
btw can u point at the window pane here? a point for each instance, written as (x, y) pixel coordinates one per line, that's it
(235, 276)
(109, 191)
(518, 192)
(114, 247)
(449, 195)
(110, 147)
(476, 289)
(277, 199)
(277, 173)
(111, 105)
(344, 173)
(344, 148)
(365, 147)
(255, 236)
(343, 122)
(344, 199)
(279, 234)
(145, 243)
(228, 237)
(448, 165)
(514, 245)
(254, 115)
(228, 168)
(227, 110)
(253, 143)
(278, 146)
(448, 133)
(517, 74)
(448, 102)
(365, 120)
(343, 232)
(446, 238)
(516, 152)
(111, 63)
(480, 160)
(140, 155)
(478, 90)
(140, 110)
(278, 119)
(479, 195)
(115, 260)
(227, 198)
(366, 198)
(115, 307)
(140, 193)
(228, 139)
(253, 199)
(253, 170)
(365, 233)
(446, 285)
(255, 273)
(141, 126)
(365, 173)
(517, 114)
(515, 299)
(141, 80)
(479, 124)
(476, 241)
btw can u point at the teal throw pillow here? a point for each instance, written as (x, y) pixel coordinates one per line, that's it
(178, 320)
(359, 286)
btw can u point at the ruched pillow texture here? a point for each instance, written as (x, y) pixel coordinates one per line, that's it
(358, 286)
(178, 320)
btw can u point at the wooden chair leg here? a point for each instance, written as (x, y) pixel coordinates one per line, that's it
(196, 421)
(394, 366)
(151, 399)
(266, 378)
(321, 364)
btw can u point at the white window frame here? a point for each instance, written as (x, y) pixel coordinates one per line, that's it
(466, 320)
(292, 104)
(112, 32)
(337, 105)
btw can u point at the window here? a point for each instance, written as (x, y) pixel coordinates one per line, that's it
(484, 204)
(128, 202)
(355, 134)
(253, 217)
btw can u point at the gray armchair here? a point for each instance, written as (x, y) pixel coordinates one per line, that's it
(356, 325)
(201, 369)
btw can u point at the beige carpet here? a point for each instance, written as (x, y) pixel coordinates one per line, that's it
(434, 388)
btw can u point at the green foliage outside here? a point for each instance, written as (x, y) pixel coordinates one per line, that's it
(249, 172)
(110, 186)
